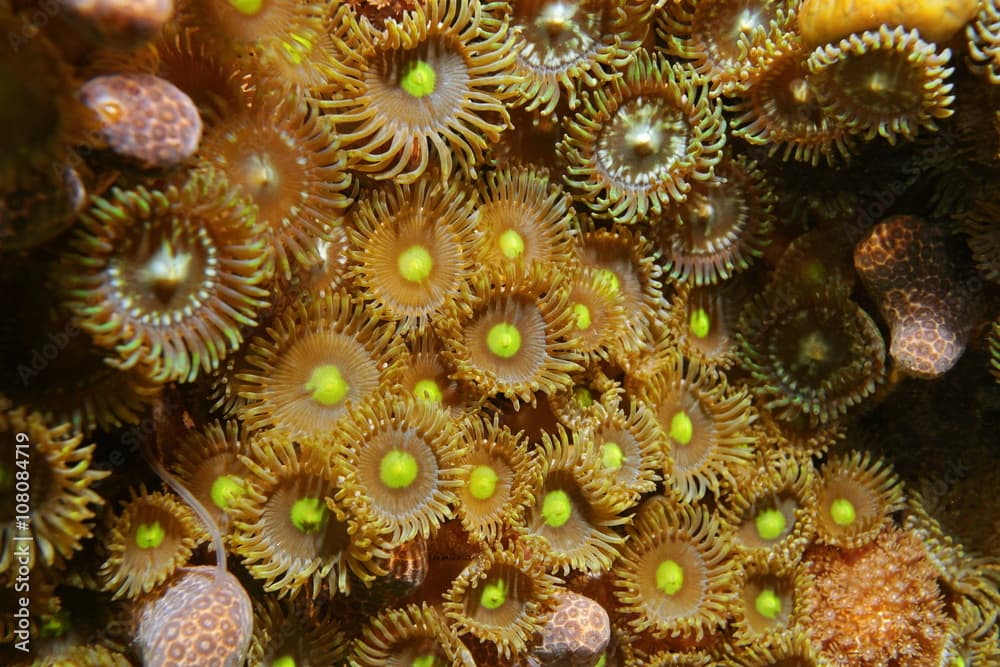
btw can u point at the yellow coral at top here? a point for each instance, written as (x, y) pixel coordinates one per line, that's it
(823, 21)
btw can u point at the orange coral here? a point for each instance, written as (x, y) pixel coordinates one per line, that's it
(879, 605)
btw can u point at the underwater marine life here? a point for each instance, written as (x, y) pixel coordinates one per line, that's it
(674, 579)
(430, 84)
(905, 265)
(576, 633)
(164, 280)
(123, 24)
(884, 82)
(509, 333)
(152, 536)
(413, 248)
(316, 361)
(855, 598)
(811, 353)
(144, 118)
(62, 501)
(640, 141)
(937, 20)
(174, 629)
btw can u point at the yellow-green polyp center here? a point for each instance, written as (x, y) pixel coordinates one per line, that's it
(681, 428)
(308, 514)
(55, 626)
(503, 340)
(612, 456)
(581, 316)
(483, 482)
(423, 661)
(842, 512)
(700, 324)
(768, 604)
(556, 508)
(398, 469)
(428, 390)
(149, 535)
(583, 397)
(225, 489)
(415, 263)
(327, 385)
(669, 577)
(511, 244)
(419, 79)
(248, 7)
(609, 278)
(283, 661)
(494, 595)
(770, 524)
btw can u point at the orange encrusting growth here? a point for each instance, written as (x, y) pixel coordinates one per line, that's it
(878, 605)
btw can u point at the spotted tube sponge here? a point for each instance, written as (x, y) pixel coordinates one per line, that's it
(576, 633)
(201, 618)
(144, 119)
(909, 272)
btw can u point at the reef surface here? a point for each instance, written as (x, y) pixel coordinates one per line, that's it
(515, 332)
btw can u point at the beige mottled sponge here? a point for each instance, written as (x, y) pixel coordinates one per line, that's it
(202, 618)
(576, 633)
(909, 272)
(144, 118)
